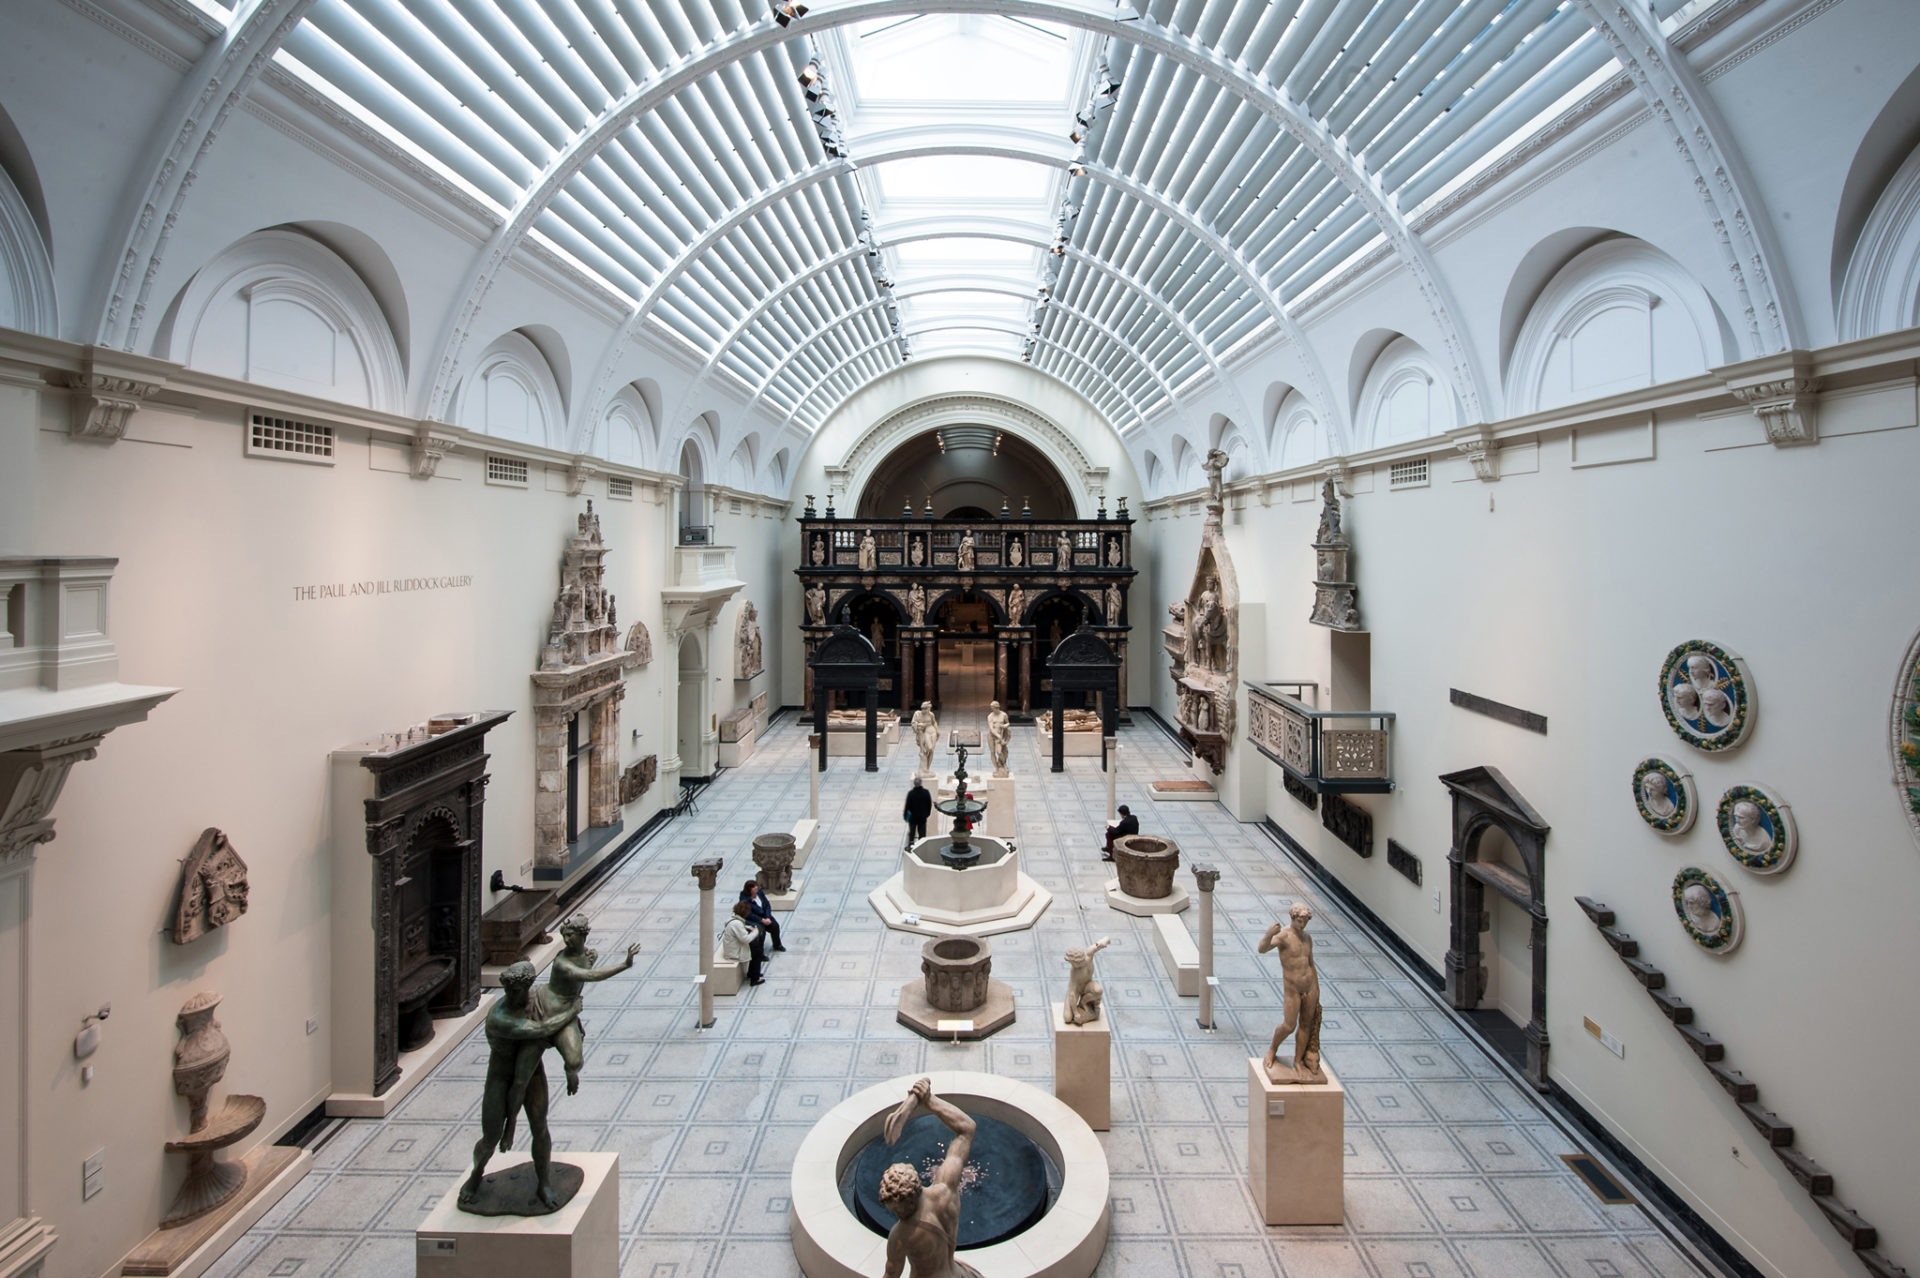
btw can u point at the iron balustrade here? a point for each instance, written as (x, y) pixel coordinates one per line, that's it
(1329, 751)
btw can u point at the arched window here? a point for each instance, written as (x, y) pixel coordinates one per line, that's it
(26, 274)
(1404, 397)
(1298, 440)
(281, 309)
(626, 430)
(513, 394)
(1881, 290)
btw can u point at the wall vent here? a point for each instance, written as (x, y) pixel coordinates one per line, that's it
(733, 506)
(509, 472)
(619, 488)
(285, 439)
(1412, 473)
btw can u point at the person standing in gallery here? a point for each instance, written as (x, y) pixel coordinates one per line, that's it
(919, 808)
(741, 941)
(760, 913)
(1127, 824)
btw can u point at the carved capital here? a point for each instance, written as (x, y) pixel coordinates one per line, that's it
(108, 386)
(577, 476)
(1481, 450)
(708, 872)
(1780, 390)
(30, 783)
(431, 441)
(1205, 875)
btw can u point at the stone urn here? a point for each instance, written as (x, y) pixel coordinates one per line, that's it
(956, 968)
(773, 854)
(1146, 864)
(200, 1057)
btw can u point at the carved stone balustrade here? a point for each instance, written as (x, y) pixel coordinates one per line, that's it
(1328, 751)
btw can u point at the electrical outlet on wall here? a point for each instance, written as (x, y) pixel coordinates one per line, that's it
(313, 1025)
(1436, 900)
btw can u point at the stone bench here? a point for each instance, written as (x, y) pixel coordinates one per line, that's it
(728, 975)
(1178, 952)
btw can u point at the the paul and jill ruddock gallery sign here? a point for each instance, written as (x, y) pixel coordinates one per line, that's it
(383, 586)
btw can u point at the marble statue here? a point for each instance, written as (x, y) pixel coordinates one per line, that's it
(1064, 555)
(1015, 555)
(869, 551)
(1083, 992)
(917, 554)
(1113, 605)
(966, 551)
(816, 606)
(999, 734)
(926, 735)
(1215, 465)
(928, 1232)
(1113, 552)
(1204, 625)
(1302, 994)
(877, 633)
(1016, 604)
(917, 605)
(1329, 530)
(213, 888)
(819, 552)
(521, 1019)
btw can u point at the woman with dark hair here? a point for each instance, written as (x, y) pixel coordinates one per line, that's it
(761, 913)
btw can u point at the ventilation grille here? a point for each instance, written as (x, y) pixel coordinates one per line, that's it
(285, 439)
(508, 471)
(619, 488)
(1411, 473)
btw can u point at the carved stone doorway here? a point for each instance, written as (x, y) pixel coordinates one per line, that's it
(693, 709)
(1499, 844)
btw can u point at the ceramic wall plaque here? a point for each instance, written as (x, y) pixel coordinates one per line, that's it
(1664, 795)
(1707, 695)
(1709, 913)
(1906, 736)
(1757, 828)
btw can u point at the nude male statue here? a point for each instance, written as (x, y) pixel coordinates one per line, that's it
(929, 1229)
(1302, 1007)
(521, 1018)
(572, 971)
(999, 734)
(1084, 994)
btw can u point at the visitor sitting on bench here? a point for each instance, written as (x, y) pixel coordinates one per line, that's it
(760, 913)
(1127, 824)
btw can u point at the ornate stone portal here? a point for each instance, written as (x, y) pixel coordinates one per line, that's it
(576, 706)
(1204, 640)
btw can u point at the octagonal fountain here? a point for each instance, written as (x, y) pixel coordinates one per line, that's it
(1034, 1202)
(961, 882)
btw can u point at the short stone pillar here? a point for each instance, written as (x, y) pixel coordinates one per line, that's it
(1206, 876)
(1296, 1148)
(1112, 764)
(773, 856)
(706, 873)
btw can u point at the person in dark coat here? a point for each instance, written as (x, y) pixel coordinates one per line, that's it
(760, 913)
(919, 808)
(1127, 824)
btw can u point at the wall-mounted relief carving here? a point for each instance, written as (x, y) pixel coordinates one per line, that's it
(747, 660)
(1707, 695)
(640, 644)
(1349, 822)
(1709, 913)
(1905, 727)
(639, 778)
(1206, 627)
(1663, 794)
(1334, 595)
(1757, 828)
(213, 888)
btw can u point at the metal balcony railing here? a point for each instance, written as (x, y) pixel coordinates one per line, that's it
(1329, 751)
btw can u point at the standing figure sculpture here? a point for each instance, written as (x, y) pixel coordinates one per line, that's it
(999, 733)
(928, 1232)
(1016, 604)
(1302, 993)
(917, 605)
(869, 552)
(917, 556)
(567, 980)
(1329, 531)
(1112, 602)
(819, 554)
(966, 551)
(1205, 625)
(926, 735)
(521, 1019)
(1015, 555)
(1063, 557)
(816, 606)
(1216, 466)
(1084, 994)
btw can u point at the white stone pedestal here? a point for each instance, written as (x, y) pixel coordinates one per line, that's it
(783, 901)
(1296, 1147)
(1172, 903)
(806, 831)
(735, 753)
(581, 1240)
(1178, 953)
(1083, 1067)
(727, 976)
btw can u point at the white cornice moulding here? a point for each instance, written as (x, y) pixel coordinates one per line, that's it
(107, 386)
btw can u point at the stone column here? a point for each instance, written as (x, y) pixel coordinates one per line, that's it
(1024, 657)
(1206, 876)
(906, 675)
(815, 742)
(1000, 669)
(706, 872)
(1111, 762)
(927, 651)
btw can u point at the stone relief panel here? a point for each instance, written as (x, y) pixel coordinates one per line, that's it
(1708, 912)
(1757, 827)
(213, 888)
(747, 660)
(1905, 727)
(1663, 794)
(1707, 695)
(640, 644)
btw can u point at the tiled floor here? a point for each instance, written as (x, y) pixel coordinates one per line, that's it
(1451, 1169)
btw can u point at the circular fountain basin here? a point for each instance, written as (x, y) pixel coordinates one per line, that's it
(1006, 1188)
(1066, 1241)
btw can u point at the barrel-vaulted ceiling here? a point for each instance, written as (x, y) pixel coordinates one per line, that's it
(804, 199)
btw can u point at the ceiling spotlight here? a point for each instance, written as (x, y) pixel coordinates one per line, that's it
(1078, 135)
(810, 74)
(1076, 169)
(1107, 89)
(786, 11)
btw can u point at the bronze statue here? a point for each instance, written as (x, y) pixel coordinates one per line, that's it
(929, 1228)
(522, 1018)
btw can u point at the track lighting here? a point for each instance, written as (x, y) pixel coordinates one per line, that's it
(810, 76)
(1076, 169)
(786, 12)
